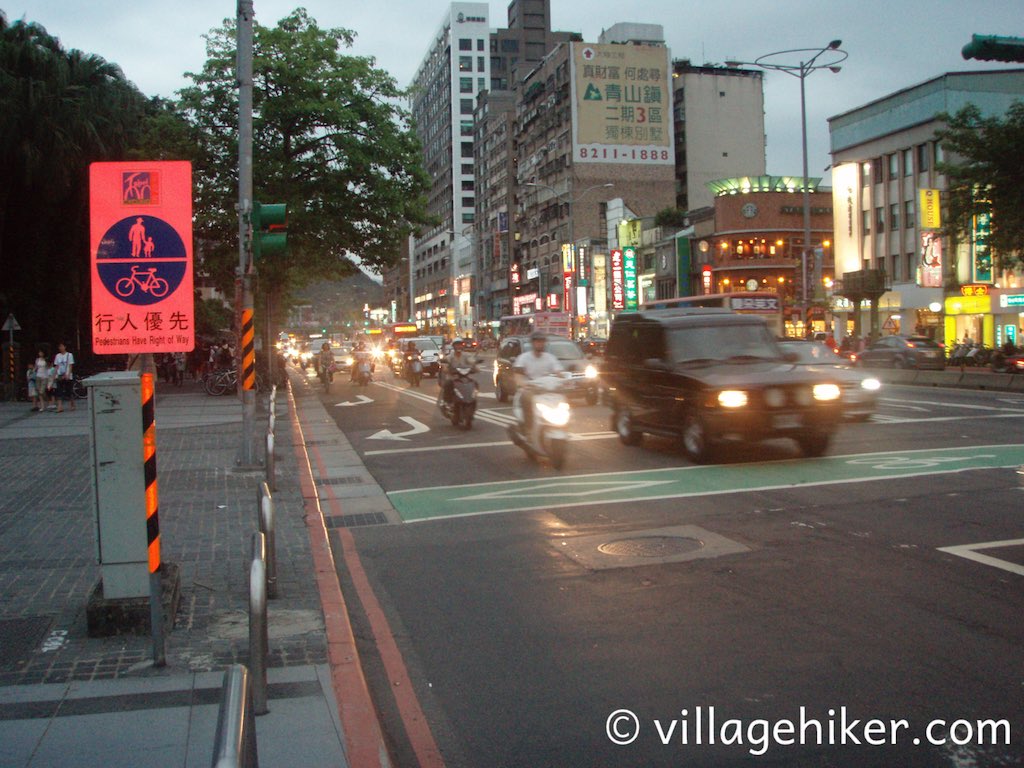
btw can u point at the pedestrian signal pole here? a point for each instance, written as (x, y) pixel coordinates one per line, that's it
(246, 326)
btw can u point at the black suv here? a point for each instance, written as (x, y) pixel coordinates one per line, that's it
(709, 374)
(583, 379)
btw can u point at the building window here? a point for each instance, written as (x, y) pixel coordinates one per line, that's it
(480, 44)
(908, 162)
(911, 273)
(465, 106)
(467, 218)
(894, 166)
(866, 222)
(467, 169)
(466, 127)
(922, 158)
(865, 174)
(481, 84)
(939, 153)
(465, 44)
(465, 85)
(467, 202)
(879, 220)
(908, 214)
(510, 46)
(467, 185)
(480, 64)
(465, 63)
(894, 216)
(467, 149)
(876, 164)
(894, 267)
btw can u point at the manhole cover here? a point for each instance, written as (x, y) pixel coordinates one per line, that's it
(651, 546)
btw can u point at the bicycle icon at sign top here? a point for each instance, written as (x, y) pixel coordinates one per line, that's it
(150, 283)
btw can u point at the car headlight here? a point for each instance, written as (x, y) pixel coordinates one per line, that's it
(732, 398)
(590, 372)
(826, 392)
(872, 385)
(557, 415)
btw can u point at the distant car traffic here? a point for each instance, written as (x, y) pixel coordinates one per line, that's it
(860, 389)
(430, 353)
(343, 358)
(593, 345)
(918, 352)
(583, 381)
(466, 345)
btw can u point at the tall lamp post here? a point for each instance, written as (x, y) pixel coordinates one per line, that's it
(783, 61)
(570, 301)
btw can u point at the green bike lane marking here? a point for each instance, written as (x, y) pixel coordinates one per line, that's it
(419, 504)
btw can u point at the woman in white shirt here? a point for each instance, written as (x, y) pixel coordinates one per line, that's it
(64, 362)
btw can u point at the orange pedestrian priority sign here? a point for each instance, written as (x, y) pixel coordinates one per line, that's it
(140, 239)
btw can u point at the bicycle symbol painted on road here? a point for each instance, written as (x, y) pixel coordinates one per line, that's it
(153, 285)
(913, 462)
(141, 260)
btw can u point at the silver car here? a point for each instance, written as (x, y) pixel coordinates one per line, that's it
(860, 389)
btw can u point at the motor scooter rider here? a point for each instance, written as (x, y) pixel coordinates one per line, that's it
(359, 355)
(533, 364)
(410, 353)
(325, 360)
(457, 358)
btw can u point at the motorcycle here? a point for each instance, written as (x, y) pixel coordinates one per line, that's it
(462, 406)
(413, 369)
(364, 373)
(546, 436)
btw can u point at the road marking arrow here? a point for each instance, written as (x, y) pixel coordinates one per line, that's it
(386, 434)
(360, 400)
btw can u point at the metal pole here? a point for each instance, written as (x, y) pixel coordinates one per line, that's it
(570, 298)
(235, 741)
(247, 453)
(807, 199)
(266, 526)
(258, 623)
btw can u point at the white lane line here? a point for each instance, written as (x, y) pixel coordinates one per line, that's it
(966, 406)
(483, 414)
(495, 444)
(970, 552)
(899, 420)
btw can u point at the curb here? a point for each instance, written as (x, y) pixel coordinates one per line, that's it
(361, 729)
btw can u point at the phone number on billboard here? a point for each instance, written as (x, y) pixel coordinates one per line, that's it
(631, 155)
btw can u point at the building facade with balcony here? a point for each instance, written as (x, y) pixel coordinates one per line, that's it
(754, 241)
(884, 156)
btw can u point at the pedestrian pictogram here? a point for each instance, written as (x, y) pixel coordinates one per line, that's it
(141, 235)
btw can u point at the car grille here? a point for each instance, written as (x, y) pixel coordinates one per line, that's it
(779, 398)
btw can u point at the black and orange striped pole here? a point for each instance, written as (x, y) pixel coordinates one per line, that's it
(156, 612)
(248, 350)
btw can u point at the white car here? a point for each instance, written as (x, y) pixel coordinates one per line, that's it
(860, 389)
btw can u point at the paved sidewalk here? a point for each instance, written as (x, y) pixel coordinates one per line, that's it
(66, 698)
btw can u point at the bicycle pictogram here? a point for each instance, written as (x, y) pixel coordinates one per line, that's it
(151, 284)
(912, 462)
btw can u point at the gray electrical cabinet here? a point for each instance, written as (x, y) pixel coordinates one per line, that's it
(119, 483)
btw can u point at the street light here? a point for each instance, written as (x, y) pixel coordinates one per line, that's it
(570, 302)
(801, 70)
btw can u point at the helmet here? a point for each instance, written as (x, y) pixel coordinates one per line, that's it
(538, 336)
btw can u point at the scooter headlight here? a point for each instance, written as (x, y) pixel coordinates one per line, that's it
(556, 415)
(590, 372)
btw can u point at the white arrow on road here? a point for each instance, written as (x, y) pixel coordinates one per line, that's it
(360, 400)
(387, 434)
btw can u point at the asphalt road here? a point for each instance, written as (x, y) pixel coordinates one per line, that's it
(782, 597)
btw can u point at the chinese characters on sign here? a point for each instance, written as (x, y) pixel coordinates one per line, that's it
(141, 257)
(629, 276)
(767, 304)
(974, 290)
(618, 287)
(981, 265)
(622, 104)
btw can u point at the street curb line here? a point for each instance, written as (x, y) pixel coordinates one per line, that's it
(361, 729)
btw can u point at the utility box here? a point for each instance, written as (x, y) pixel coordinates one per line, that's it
(119, 483)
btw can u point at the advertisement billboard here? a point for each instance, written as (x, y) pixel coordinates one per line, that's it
(931, 260)
(622, 104)
(629, 277)
(929, 211)
(618, 286)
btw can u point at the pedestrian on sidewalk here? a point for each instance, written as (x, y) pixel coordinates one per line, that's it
(64, 363)
(39, 371)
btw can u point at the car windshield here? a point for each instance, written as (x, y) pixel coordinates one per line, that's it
(809, 353)
(922, 341)
(564, 349)
(718, 343)
(425, 345)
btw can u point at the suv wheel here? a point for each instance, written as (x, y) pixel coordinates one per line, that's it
(697, 443)
(814, 444)
(627, 432)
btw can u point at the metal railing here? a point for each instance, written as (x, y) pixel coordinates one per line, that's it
(266, 525)
(235, 742)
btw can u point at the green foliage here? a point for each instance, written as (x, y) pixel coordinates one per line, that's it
(59, 111)
(213, 319)
(985, 171)
(670, 217)
(329, 139)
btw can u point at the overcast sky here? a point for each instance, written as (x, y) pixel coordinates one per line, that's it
(892, 43)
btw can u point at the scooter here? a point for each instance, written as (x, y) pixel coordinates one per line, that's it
(413, 369)
(546, 436)
(461, 408)
(363, 373)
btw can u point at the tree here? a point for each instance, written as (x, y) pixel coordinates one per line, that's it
(59, 111)
(329, 139)
(985, 172)
(670, 217)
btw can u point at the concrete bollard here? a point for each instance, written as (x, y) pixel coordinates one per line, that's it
(270, 464)
(258, 642)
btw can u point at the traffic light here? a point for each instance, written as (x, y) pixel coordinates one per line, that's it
(994, 48)
(269, 229)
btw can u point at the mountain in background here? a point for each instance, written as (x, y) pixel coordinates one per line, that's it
(330, 303)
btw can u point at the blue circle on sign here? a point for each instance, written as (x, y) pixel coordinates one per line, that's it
(141, 260)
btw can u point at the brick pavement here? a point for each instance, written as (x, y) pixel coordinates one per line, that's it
(207, 516)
